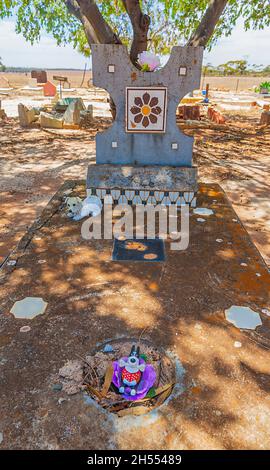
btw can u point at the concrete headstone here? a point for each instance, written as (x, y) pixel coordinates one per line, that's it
(26, 115)
(144, 151)
(145, 129)
(72, 114)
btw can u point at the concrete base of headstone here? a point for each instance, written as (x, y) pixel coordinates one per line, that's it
(143, 184)
(50, 121)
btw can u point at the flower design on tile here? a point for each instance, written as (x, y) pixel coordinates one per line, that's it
(145, 109)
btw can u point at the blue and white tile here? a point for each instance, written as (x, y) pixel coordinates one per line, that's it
(180, 201)
(115, 194)
(166, 201)
(159, 195)
(129, 193)
(122, 199)
(188, 196)
(173, 195)
(144, 195)
(137, 200)
(151, 200)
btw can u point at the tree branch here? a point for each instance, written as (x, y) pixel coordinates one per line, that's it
(208, 23)
(103, 32)
(74, 10)
(140, 24)
(95, 26)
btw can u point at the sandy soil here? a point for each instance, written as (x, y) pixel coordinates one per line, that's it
(225, 404)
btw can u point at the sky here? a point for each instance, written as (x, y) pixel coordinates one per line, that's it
(15, 51)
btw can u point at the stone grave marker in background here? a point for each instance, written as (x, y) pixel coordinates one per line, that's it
(144, 157)
(39, 75)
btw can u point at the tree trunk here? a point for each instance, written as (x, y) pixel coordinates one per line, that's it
(140, 24)
(208, 23)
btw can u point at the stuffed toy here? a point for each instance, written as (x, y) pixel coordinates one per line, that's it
(77, 208)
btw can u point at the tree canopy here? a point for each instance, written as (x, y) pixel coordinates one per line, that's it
(171, 21)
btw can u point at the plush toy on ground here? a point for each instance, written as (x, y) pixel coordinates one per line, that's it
(78, 208)
(131, 370)
(132, 376)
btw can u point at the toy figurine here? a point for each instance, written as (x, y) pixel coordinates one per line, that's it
(78, 209)
(132, 371)
(132, 376)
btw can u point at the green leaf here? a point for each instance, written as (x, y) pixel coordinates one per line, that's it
(151, 393)
(144, 357)
(172, 21)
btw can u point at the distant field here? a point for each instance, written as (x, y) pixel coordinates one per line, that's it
(75, 78)
(21, 79)
(233, 83)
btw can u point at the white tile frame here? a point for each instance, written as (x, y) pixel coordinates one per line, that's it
(144, 131)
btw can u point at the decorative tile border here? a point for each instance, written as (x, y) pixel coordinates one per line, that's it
(145, 197)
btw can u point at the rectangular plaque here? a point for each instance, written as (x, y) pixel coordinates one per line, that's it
(146, 109)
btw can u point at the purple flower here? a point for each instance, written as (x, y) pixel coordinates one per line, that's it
(149, 62)
(147, 380)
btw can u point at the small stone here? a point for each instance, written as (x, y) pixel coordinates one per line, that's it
(61, 400)
(12, 262)
(219, 240)
(237, 344)
(243, 264)
(198, 326)
(203, 211)
(199, 219)
(108, 348)
(266, 311)
(258, 274)
(243, 317)
(29, 307)
(57, 387)
(25, 329)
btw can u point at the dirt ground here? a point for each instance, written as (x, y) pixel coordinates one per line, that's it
(221, 396)
(34, 163)
(225, 403)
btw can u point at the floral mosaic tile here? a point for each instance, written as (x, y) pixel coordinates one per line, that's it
(146, 109)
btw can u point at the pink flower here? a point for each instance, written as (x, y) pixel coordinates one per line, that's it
(148, 61)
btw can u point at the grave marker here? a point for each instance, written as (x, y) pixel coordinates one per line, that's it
(144, 148)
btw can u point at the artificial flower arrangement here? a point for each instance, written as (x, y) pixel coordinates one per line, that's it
(148, 61)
